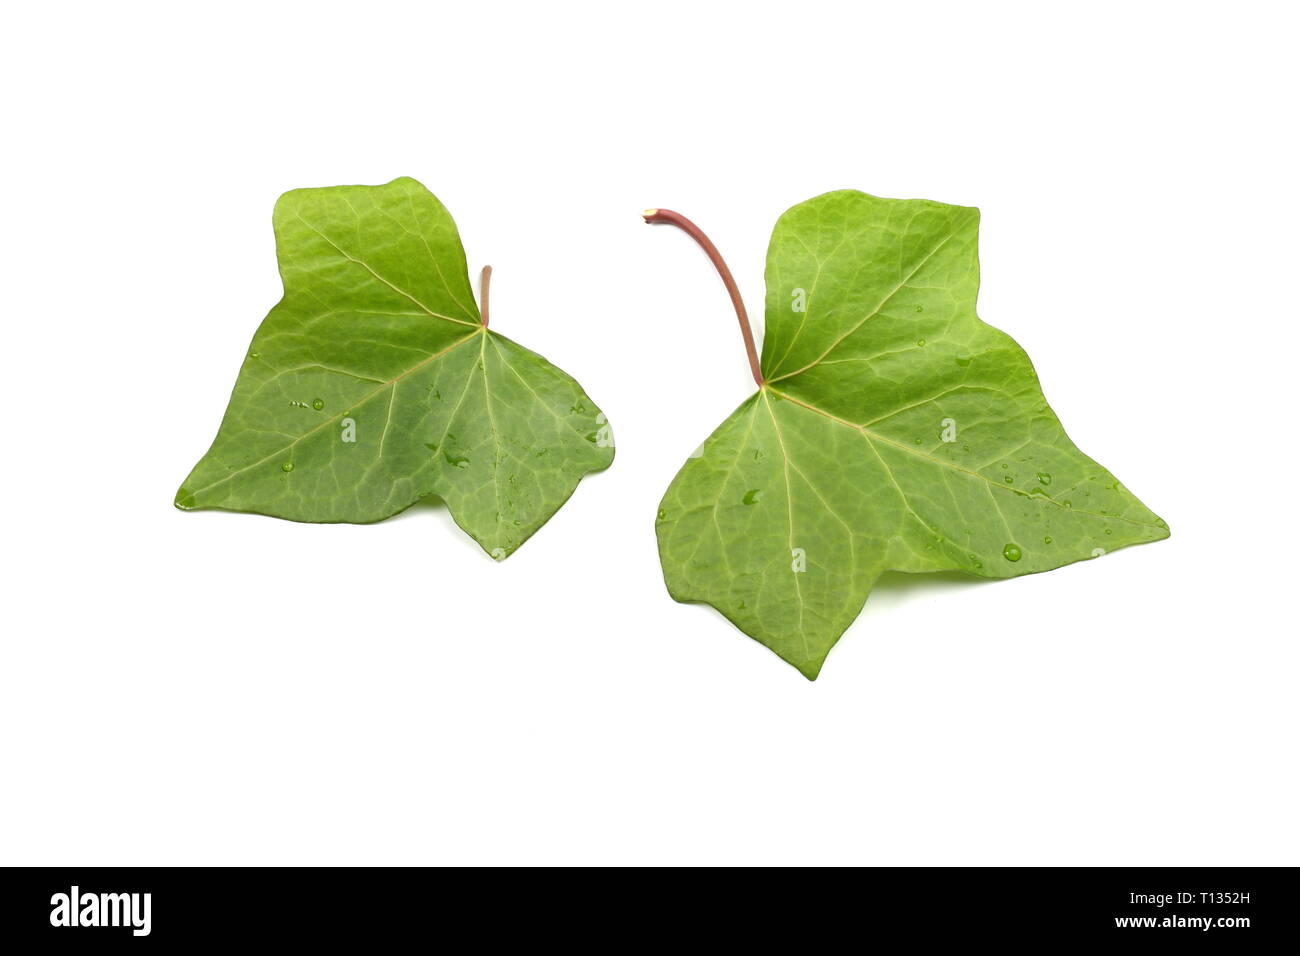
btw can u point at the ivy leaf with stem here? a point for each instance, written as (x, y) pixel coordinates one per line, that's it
(375, 382)
(892, 430)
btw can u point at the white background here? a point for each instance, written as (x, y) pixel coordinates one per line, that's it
(218, 688)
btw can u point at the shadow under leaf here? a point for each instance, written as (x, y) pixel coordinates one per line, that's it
(894, 588)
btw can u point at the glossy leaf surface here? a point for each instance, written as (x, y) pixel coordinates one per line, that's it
(374, 383)
(894, 431)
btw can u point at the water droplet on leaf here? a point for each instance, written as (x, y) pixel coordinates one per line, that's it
(1011, 552)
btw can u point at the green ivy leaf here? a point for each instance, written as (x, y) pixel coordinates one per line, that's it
(375, 382)
(894, 430)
